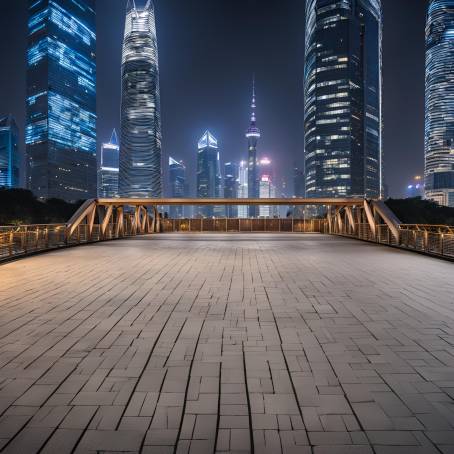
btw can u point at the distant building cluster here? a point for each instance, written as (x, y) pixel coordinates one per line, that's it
(343, 128)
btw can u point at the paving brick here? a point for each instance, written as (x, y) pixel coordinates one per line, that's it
(324, 345)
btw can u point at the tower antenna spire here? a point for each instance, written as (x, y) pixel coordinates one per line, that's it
(253, 105)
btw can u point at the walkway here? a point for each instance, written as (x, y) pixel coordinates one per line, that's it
(193, 343)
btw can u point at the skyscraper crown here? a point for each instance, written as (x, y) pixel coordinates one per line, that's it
(114, 138)
(207, 140)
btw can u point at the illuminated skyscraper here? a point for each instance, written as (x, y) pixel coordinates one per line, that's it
(231, 180)
(177, 183)
(253, 135)
(343, 92)
(243, 210)
(140, 151)
(267, 188)
(109, 168)
(9, 153)
(61, 99)
(439, 130)
(209, 174)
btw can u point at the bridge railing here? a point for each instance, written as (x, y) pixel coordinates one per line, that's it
(243, 225)
(16, 241)
(433, 240)
(29, 239)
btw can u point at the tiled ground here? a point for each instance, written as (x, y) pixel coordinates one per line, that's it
(217, 343)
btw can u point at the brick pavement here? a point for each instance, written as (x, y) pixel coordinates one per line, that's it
(227, 343)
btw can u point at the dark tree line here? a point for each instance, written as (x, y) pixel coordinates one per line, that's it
(19, 206)
(418, 211)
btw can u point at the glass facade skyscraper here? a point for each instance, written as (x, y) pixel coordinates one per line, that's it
(209, 180)
(177, 183)
(243, 210)
(439, 128)
(9, 153)
(267, 188)
(61, 99)
(343, 92)
(109, 168)
(253, 135)
(231, 182)
(140, 150)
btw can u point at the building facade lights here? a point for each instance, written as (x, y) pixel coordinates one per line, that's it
(439, 110)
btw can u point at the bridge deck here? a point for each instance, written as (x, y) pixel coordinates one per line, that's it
(310, 343)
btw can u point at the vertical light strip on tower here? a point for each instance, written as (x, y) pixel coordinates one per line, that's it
(140, 150)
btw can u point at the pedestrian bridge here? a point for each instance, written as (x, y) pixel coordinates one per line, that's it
(228, 343)
(109, 219)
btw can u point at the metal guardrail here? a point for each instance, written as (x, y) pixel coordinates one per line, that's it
(28, 239)
(243, 225)
(429, 239)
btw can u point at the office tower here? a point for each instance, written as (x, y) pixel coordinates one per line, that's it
(9, 153)
(298, 181)
(343, 92)
(415, 188)
(140, 152)
(267, 188)
(109, 168)
(243, 210)
(208, 174)
(439, 129)
(253, 135)
(60, 130)
(177, 185)
(231, 184)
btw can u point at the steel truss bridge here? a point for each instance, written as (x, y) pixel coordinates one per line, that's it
(109, 219)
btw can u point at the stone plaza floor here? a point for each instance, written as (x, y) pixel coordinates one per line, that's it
(214, 343)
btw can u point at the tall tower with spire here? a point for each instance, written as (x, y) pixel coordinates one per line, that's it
(140, 150)
(253, 135)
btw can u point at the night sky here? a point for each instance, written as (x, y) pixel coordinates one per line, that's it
(208, 52)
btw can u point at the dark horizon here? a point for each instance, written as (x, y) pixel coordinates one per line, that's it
(208, 52)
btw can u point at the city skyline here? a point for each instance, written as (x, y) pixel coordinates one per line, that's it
(283, 138)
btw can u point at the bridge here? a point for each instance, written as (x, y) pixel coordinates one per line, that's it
(264, 340)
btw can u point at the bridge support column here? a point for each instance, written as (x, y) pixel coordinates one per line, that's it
(370, 219)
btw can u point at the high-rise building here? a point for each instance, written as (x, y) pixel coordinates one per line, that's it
(243, 210)
(267, 187)
(299, 182)
(343, 93)
(299, 189)
(209, 180)
(61, 99)
(9, 154)
(177, 185)
(140, 151)
(109, 168)
(231, 184)
(439, 129)
(253, 135)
